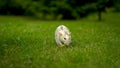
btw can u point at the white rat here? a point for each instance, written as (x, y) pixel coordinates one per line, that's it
(62, 36)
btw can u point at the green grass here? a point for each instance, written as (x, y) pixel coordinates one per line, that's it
(29, 43)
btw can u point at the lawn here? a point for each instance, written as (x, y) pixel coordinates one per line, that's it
(29, 43)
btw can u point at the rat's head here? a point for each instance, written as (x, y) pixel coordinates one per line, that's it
(65, 38)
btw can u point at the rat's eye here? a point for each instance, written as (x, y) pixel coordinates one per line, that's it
(65, 38)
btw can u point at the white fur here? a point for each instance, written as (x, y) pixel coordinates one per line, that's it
(62, 35)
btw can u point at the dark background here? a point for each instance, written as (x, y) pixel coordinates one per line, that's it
(57, 9)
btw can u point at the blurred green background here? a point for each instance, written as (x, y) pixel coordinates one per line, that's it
(27, 33)
(57, 9)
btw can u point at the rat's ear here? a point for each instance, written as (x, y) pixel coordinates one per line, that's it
(60, 34)
(69, 33)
